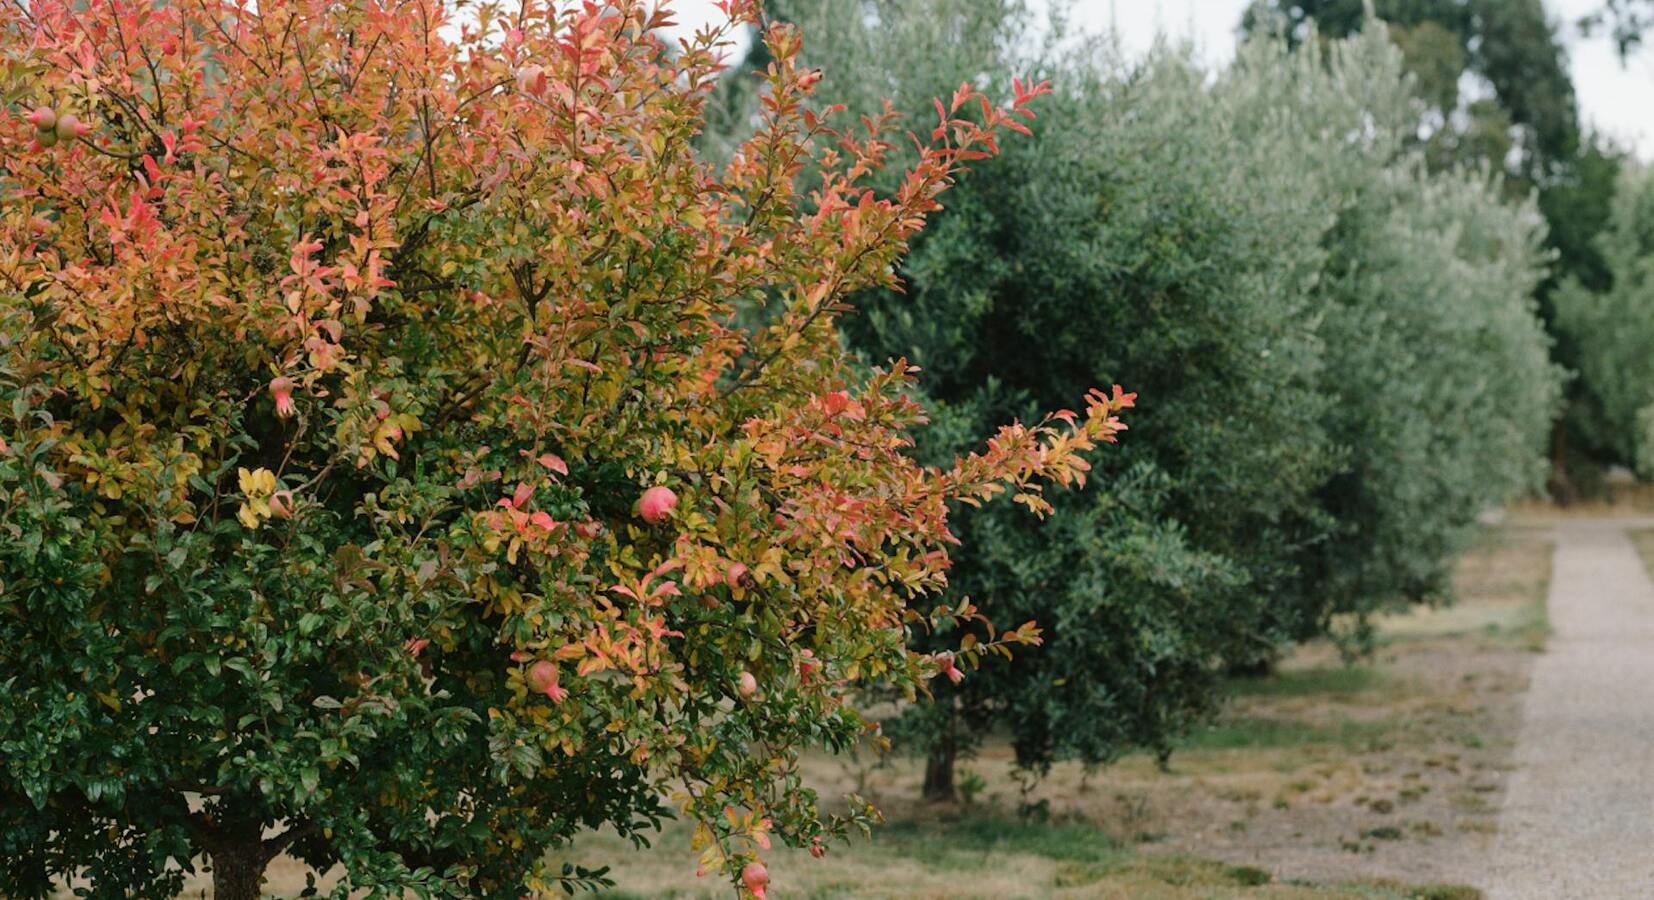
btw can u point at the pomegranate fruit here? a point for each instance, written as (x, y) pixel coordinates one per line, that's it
(656, 504)
(281, 388)
(542, 679)
(755, 878)
(69, 127)
(945, 660)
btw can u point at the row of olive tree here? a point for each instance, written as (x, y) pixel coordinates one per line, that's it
(1613, 327)
(1337, 354)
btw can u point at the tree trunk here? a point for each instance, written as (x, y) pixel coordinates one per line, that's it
(1262, 667)
(238, 866)
(939, 771)
(1560, 485)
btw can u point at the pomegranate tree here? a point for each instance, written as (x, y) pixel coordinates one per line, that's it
(386, 476)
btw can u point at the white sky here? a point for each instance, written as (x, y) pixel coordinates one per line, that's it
(1615, 98)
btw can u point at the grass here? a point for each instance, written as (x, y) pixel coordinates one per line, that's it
(1499, 589)
(1643, 539)
(953, 844)
(1259, 733)
(1328, 682)
(999, 857)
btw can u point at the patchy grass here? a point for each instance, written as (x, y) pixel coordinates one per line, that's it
(1326, 682)
(1621, 494)
(1500, 587)
(1643, 539)
(1258, 733)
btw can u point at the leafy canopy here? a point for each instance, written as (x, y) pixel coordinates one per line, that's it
(336, 357)
(1336, 347)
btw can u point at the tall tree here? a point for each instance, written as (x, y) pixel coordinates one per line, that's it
(1511, 46)
(1612, 324)
(1626, 21)
(1272, 286)
(1525, 126)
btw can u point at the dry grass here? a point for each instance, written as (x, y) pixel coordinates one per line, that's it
(1643, 539)
(1622, 495)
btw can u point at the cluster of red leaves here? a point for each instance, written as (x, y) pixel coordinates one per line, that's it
(477, 266)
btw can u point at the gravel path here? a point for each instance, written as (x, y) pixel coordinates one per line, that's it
(1578, 821)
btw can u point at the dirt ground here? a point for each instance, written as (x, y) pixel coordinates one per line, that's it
(1402, 764)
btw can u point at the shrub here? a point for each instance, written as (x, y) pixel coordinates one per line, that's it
(385, 476)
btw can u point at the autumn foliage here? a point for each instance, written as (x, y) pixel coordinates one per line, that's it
(412, 454)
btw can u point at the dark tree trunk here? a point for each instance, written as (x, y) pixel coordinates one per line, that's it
(1262, 667)
(939, 771)
(235, 876)
(238, 857)
(1561, 483)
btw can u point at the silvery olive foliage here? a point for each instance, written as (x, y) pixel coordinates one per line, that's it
(1336, 355)
(1612, 327)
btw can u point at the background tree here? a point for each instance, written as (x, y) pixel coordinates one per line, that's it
(385, 476)
(1613, 326)
(1509, 46)
(1228, 230)
(1626, 21)
(1524, 123)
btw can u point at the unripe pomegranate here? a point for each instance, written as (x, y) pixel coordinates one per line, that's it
(949, 668)
(281, 504)
(542, 678)
(756, 878)
(746, 684)
(281, 388)
(46, 138)
(69, 127)
(818, 849)
(656, 504)
(737, 575)
(43, 118)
